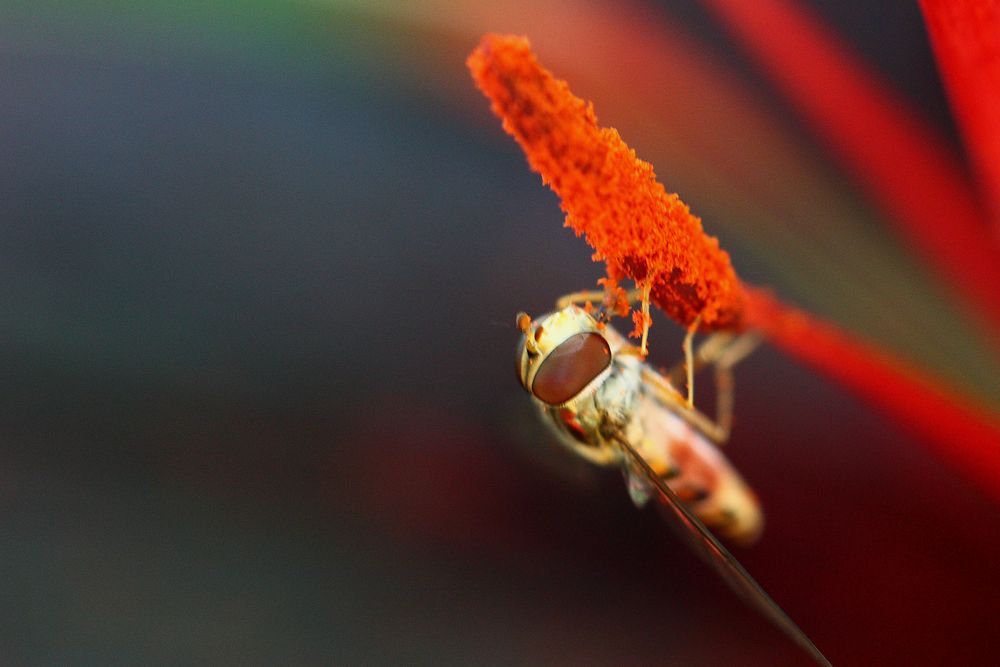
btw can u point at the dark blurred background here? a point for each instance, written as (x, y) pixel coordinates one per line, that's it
(259, 265)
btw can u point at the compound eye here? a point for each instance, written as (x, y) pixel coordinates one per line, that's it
(571, 367)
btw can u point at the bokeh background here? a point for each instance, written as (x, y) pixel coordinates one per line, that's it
(259, 265)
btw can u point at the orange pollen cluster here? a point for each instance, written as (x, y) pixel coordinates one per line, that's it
(608, 194)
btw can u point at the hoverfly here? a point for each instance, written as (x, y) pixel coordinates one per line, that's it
(606, 404)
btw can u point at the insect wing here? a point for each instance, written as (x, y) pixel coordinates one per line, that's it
(705, 544)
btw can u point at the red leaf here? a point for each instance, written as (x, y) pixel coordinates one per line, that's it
(906, 167)
(966, 39)
(958, 431)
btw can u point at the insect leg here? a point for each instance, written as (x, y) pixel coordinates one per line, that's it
(707, 353)
(593, 295)
(724, 380)
(693, 361)
(645, 317)
(640, 295)
(689, 360)
(666, 393)
(725, 386)
(739, 349)
(722, 351)
(579, 297)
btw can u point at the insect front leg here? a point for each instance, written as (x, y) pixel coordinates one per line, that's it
(645, 317)
(609, 299)
(585, 296)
